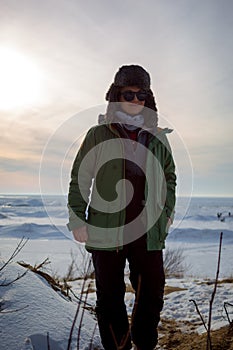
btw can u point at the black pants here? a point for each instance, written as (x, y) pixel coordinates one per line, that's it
(147, 278)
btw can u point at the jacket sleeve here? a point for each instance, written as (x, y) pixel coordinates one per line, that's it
(170, 177)
(81, 181)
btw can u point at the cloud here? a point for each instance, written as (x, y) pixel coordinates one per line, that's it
(186, 46)
(18, 165)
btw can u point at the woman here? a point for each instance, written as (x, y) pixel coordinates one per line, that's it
(121, 203)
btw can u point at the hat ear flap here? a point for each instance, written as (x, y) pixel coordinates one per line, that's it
(107, 96)
(113, 93)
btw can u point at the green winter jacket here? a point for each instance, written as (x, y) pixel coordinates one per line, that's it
(97, 195)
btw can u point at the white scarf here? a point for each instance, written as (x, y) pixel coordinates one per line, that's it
(130, 122)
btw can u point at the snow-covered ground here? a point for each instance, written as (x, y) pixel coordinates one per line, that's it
(30, 308)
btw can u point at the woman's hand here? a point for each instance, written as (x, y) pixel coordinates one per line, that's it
(80, 234)
(169, 223)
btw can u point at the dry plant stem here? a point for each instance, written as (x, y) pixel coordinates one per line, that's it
(11, 311)
(11, 282)
(198, 311)
(208, 343)
(92, 338)
(126, 337)
(45, 262)
(113, 335)
(123, 340)
(78, 308)
(137, 297)
(19, 247)
(228, 318)
(48, 345)
(85, 258)
(54, 284)
(81, 319)
(80, 299)
(174, 262)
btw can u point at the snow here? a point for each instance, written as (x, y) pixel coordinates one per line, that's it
(34, 308)
(178, 305)
(40, 310)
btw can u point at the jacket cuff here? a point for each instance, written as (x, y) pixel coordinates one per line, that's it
(75, 220)
(170, 214)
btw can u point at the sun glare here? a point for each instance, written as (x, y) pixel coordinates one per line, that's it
(20, 80)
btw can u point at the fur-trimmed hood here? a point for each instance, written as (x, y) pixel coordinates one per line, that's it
(155, 130)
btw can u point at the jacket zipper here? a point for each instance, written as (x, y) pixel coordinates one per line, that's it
(118, 136)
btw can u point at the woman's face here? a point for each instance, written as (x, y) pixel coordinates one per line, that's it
(136, 103)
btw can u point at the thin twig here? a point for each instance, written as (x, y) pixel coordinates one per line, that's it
(45, 262)
(92, 338)
(48, 344)
(81, 301)
(137, 298)
(126, 337)
(198, 311)
(81, 318)
(113, 336)
(15, 310)
(208, 343)
(56, 285)
(19, 247)
(78, 308)
(16, 279)
(123, 340)
(225, 307)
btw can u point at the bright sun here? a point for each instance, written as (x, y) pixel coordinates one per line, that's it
(20, 80)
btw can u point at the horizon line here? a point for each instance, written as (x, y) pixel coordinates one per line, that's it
(65, 194)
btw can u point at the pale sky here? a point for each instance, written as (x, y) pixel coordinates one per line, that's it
(58, 57)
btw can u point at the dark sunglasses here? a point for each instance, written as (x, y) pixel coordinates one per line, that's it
(130, 95)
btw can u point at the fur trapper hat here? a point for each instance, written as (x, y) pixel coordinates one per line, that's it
(132, 75)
